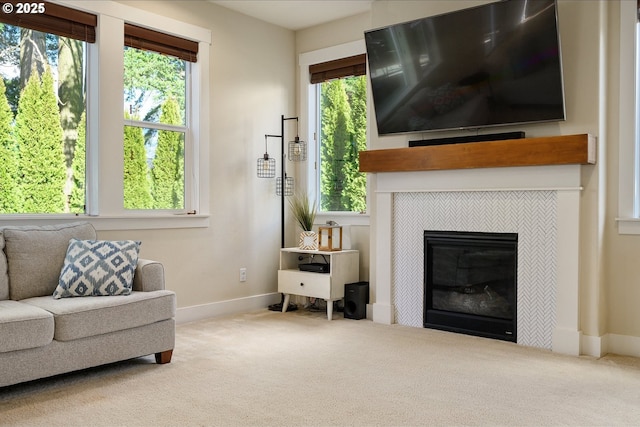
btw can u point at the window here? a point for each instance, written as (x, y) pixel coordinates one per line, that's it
(155, 99)
(135, 168)
(43, 110)
(341, 94)
(629, 122)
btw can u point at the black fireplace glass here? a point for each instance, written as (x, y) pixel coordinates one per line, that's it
(470, 283)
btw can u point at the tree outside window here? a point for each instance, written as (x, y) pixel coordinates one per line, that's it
(42, 105)
(154, 137)
(343, 124)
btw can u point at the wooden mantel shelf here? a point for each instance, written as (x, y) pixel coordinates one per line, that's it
(554, 150)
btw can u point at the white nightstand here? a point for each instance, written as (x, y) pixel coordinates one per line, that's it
(344, 267)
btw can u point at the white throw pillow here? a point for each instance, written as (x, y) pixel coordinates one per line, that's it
(98, 267)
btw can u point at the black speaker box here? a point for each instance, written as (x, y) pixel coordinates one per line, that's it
(356, 298)
(468, 138)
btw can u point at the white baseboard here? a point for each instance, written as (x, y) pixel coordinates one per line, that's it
(566, 341)
(221, 308)
(382, 313)
(594, 346)
(623, 345)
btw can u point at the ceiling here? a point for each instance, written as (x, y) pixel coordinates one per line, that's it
(297, 14)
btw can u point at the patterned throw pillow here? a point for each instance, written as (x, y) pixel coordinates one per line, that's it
(98, 267)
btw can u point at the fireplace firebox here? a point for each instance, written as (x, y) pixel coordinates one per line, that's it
(470, 283)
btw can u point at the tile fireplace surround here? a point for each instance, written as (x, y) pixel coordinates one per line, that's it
(540, 203)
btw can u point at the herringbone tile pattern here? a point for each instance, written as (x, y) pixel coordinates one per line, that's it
(531, 214)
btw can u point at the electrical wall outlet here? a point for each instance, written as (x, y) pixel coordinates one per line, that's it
(243, 274)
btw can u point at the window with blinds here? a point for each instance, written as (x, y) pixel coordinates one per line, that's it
(43, 108)
(341, 96)
(155, 41)
(55, 19)
(156, 75)
(339, 68)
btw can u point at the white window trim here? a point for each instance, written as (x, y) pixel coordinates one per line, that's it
(628, 167)
(105, 141)
(308, 125)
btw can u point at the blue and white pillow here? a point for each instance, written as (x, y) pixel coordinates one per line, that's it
(98, 267)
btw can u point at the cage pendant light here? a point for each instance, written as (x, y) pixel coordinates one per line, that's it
(297, 150)
(266, 167)
(288, 186)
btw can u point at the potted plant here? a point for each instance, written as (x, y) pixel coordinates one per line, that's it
(304, 213)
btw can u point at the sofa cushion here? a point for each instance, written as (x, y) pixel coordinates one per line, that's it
(4, 276)
(35, 255)
(98, 267)
(24, 326)
(84, 317)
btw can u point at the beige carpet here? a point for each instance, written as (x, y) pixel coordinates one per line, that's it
(298, 369)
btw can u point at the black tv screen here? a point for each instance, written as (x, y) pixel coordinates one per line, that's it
(491, 65)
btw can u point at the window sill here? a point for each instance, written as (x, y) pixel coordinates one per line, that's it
(343, 218)
(103, 223)
(628, 225)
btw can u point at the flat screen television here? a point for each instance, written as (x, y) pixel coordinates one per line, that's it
(491, 65)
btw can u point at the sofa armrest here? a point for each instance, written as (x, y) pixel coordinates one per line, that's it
(149, 276)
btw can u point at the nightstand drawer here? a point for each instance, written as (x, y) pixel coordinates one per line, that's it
(316, 285)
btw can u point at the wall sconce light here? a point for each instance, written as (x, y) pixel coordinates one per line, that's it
(330, 237)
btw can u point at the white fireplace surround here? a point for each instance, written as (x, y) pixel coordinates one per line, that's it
(540, 203)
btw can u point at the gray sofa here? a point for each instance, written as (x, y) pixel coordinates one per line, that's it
(41, 336)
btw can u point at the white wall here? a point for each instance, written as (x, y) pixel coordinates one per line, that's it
(621, 293)
(312, 40)
(252, 83)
